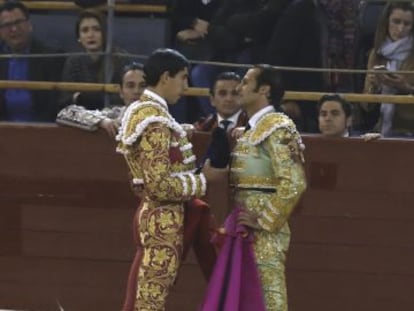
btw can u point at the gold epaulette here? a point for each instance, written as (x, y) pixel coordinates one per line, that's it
(139, 115)
(268, 124)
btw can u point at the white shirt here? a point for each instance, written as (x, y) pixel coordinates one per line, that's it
(259, 114)
(233, 119)
(157, 97)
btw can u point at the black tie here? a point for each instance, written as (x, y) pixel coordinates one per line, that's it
(247, 127)
(225, 124)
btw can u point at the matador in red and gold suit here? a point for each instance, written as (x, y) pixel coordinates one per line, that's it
(161, 160)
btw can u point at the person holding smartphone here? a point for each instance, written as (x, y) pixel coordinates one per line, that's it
(393, 51)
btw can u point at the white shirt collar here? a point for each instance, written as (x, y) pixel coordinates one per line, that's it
(233, 119)
(259, 114)
(157, 97)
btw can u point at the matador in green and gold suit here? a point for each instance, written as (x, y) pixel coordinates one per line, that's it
(268, 176)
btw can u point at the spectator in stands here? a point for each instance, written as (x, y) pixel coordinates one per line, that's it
(228, 120)
(132, 85)
(91, 33)
(17, 36)
(342, 25)
(240, 24)
(296, 42)
(237, 31)
(393, 50)
(225, 99)
(335, 118)
(190, 23)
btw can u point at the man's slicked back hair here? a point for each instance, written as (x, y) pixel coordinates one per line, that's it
(226, 76)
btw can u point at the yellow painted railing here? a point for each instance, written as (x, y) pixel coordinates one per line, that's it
(119, 7)
(193, 91)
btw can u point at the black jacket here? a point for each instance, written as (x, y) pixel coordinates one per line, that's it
(81, 68)
(184, 13)
(40, 69)
(89, 3)
(238, 22)
(297, 41)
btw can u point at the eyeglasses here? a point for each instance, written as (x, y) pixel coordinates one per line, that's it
(17, 23)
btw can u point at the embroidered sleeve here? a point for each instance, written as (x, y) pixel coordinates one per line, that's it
(284, 148)
(197, 183)
(161, 184)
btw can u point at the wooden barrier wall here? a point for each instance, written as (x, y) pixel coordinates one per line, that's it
(66, 213)
(353, 235)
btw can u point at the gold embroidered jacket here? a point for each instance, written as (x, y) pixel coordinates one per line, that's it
(160, 158)
(158, 152)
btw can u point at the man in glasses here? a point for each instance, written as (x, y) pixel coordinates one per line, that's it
(19, 105)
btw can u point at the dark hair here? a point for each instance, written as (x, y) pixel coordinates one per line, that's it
(272, 77)
(381, 32)
(163, 60)
(91, 13)
(227, 76)
(346, 107)
(11, 5)
(89, 3)
(129, 67)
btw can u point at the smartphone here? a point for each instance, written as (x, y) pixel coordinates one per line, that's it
(380, 67)
(389, 74)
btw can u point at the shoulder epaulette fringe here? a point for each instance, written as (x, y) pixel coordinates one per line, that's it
(268, 124)
(137, 118)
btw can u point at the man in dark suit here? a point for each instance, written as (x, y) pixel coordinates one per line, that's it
(19, 105)
(225, 99)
